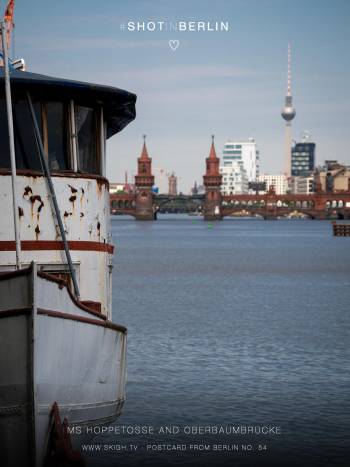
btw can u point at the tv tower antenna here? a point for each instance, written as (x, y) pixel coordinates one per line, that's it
(289, 73)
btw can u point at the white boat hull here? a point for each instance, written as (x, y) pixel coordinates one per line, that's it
(53, 349)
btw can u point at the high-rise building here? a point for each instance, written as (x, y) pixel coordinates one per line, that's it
(172, 185)
(239, 166)
(288, 113)
(234, 179)
(303, 159)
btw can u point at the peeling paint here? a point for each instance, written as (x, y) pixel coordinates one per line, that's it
(20, 211)
(81, 214)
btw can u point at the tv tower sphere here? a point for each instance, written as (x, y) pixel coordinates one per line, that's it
(288, 113)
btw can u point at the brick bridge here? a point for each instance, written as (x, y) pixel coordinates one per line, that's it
(144, 204)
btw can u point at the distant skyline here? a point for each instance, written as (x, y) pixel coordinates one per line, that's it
(228, 83)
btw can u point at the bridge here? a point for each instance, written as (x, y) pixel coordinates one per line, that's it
(268, 206)
(125, 203)
(272, 206)
(143, 204)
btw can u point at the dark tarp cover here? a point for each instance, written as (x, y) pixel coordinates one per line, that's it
(118, 105)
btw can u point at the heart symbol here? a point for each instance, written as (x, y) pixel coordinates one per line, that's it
(174, 44)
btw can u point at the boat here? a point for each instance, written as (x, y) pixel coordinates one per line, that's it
(62, 358)
(341, 230)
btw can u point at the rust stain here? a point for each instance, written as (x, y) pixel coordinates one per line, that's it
(100, 186)
(37, 198)
(27, 190)
(66, 214)
(20, 211)
(37, 232)
(72, 189)
(72, 199)
(34, 198)
(82, 195)
(40, 206)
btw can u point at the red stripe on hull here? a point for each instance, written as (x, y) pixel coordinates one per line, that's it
(77, 245)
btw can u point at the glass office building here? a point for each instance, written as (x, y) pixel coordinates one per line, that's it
(303, 159)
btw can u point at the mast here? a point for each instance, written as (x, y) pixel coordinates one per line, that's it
(12, 145)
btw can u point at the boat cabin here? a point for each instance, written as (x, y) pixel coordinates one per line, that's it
(75, 119)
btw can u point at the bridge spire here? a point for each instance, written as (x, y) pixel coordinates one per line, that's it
(212, 182)
(212, 154)
(144, 153)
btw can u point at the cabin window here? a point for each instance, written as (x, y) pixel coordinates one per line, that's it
(60, 123)
(55, 122)
(87, 139)
(26, 149)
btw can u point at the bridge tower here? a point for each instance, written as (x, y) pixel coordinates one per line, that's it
(144, 181)
(212, 182)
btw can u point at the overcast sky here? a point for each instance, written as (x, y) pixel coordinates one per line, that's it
(230, 84)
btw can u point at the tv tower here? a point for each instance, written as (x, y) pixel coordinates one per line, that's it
(288, 113)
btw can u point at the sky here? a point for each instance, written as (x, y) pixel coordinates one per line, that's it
(228, 83)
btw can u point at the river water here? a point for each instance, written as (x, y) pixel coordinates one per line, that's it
(234, 324)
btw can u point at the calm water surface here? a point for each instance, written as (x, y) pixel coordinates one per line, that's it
(242, 322)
